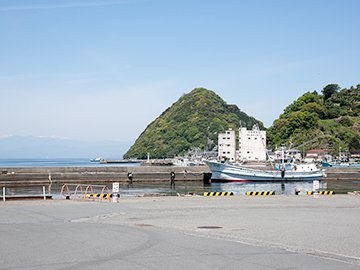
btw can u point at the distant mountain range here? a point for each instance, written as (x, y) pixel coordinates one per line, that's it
(48, 147)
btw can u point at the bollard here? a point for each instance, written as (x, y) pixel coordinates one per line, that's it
(44, 193)
(172, 179)
(115, 198)
(316, 194)
(4, 194)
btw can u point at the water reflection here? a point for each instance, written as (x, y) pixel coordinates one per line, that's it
(196, 187)
(286, 188)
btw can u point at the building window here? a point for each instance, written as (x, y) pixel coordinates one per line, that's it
(249, 138)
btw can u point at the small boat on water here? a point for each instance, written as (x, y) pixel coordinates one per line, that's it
(222, 172)
(340, 164)
(96, 159)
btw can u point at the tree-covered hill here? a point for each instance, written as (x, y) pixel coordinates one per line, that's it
(331, 118)
(193, 121)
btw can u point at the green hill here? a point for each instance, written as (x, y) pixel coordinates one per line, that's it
(332, 119)
(192, 121)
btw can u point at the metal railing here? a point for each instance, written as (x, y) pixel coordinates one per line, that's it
(20, 196)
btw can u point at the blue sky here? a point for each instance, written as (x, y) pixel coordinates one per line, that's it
(96, 70)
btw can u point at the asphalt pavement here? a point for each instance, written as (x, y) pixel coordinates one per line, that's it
(191, 232)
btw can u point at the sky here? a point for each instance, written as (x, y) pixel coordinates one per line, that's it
(104, 69)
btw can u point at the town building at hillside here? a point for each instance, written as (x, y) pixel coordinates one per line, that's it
(344, 156)
(355, 154)
(281, 153)
(252, 144)
(227, 145)
(316, 155)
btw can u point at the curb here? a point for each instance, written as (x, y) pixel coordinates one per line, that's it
(322, 192)
(250, 193)
(218, 193)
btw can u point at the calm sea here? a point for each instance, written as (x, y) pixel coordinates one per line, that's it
(57, 162)
(197, 187)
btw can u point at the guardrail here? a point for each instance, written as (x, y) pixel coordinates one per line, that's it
(24, 197)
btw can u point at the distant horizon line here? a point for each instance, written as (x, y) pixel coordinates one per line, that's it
(5, 136)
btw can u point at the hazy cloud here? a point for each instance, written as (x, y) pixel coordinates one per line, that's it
(69, 5)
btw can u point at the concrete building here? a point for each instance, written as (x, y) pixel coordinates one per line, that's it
(355, 154)
(227, 145)
(316, 155)
(344, 156)
(252, 144)
(288, 154)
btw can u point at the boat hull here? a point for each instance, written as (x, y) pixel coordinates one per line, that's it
(227, 173)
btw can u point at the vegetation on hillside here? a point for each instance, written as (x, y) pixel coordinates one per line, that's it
(331, 118)
(193, 121)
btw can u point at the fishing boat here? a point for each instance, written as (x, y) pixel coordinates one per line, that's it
(340, 164)
(222, 172)
(96, 159)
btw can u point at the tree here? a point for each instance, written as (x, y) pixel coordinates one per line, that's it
(329, 90)
(354, 143)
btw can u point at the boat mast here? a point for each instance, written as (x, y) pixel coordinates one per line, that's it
(266, 152)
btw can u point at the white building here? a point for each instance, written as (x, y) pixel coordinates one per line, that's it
(252, 144)
(227, 145)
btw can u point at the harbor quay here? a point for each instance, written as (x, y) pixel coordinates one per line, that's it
(49, 175)
(189, 232)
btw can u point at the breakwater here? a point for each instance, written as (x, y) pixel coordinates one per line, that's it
(48, 175)
(342, 173)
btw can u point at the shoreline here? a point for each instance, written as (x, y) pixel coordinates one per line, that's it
(146, 199)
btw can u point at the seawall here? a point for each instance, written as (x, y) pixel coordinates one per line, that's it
(47, 175)
(339, 173)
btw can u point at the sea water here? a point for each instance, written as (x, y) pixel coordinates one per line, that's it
(57, 162)
(181, 187)
(191, 187)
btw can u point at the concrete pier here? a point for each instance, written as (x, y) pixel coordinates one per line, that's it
(346, 173)
(46, 175)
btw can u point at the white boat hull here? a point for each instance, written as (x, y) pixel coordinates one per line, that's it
(227, 173)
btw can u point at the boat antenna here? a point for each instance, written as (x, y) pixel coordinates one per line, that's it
(266, 152)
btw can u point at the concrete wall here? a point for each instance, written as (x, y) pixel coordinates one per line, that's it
(338, 173)
(46, 175)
